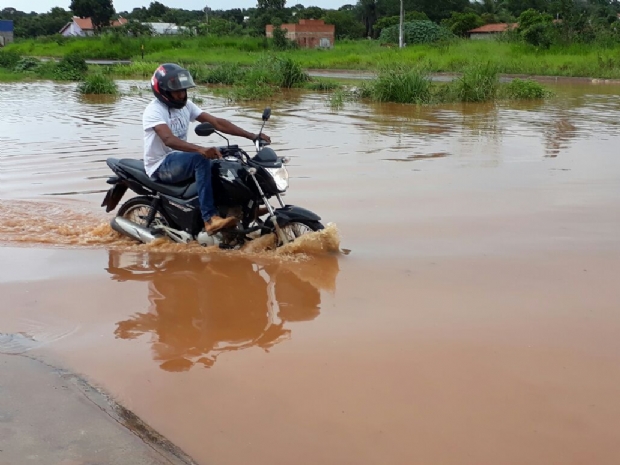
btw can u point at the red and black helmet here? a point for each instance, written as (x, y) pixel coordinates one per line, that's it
(168, 78)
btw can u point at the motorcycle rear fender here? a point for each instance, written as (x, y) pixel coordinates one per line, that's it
(114, 196)
(291, 214)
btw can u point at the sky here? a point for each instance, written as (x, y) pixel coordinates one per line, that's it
(42, 6)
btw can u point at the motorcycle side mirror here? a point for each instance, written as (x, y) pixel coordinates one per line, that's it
(204, 129)
(266, 113)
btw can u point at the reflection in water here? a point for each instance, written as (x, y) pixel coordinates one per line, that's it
(203, 306)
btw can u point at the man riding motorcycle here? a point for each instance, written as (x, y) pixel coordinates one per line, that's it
(168, 157)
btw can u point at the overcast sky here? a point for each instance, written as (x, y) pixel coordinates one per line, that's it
(42, 6)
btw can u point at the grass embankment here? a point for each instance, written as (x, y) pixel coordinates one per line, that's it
(270, 73)
(509, 58)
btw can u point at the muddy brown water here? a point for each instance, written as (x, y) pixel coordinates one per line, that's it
(475, 320)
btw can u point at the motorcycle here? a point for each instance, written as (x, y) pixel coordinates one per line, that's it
(241, 186)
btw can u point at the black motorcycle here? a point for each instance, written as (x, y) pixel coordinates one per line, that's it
(241, 185)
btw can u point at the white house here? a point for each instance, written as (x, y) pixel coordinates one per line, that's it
(82, 27)
(162, 29)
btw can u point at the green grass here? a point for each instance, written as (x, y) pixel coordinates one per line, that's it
(97, 84)
(510, 58)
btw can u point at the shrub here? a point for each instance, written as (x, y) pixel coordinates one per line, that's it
(72, 67)
(402, 85)
(97, 84)
(289, 73)
(27, 64)
(9, 59)
(524, 89)
(226, 73)
(479, 83)
(416, 32)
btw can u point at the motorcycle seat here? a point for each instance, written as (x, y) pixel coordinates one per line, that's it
(135, 168)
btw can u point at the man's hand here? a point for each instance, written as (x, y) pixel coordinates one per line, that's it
(212, 153)
(265, 137)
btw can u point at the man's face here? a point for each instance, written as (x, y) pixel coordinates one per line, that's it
(179, 94)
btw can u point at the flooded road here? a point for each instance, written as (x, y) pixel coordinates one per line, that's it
(475, 321)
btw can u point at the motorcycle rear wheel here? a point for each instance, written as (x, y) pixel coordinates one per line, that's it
(137, 209)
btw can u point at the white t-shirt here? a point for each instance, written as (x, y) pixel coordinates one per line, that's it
(157, 113)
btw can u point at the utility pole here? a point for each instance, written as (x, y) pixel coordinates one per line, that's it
(207, 9)
(400, 26)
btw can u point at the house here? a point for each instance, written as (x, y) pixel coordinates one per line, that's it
(489, 31)
(6, 32)
(84, 27)
(309, 33)
(162, 29)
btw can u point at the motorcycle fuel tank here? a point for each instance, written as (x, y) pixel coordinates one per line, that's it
(230, 183)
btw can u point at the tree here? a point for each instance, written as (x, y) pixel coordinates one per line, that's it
(312, 12)
(460, 23)
(347, 26)
(157, 10)
(99, 11)
(271, 4)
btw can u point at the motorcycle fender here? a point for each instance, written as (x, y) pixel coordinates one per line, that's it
(114, 196)
(291, 213)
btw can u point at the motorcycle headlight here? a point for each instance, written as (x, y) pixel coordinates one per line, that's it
(280, 176)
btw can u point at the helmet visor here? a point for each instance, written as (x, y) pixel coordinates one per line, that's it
(180, 81)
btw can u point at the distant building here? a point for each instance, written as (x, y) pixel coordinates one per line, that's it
(6, 32)
(309, 33)
(82, 27)
(163, 29)
(489, 31)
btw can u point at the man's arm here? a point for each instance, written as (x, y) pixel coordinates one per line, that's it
(225, 126)
(170, 140)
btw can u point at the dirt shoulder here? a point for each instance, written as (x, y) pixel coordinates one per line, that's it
(48, 416)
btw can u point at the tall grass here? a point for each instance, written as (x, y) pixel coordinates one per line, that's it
(97, 84)
(402, 85)
(589, 60)
(479, 83)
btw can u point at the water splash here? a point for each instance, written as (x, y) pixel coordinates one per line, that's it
(43, 223)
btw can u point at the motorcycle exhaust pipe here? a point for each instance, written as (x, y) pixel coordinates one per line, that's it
(133, 230)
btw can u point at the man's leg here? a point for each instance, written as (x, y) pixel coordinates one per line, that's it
(183, 166)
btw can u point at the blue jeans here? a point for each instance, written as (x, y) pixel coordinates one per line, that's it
(183, 166)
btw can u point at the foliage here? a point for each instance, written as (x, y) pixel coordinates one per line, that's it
(280, 42)
(388, 21)
(347, 25)
(9, 58)
(97, 83)
(402, 85)
(27, 64)
(479, 83)
(416, 32)
(99, 11)
(536, 28)
(524, 89)
(226, 74)
(460, 23)
(71, 68)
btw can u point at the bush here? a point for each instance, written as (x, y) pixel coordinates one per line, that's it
(27, 64)
(416, 32)
(402, 85)
(479, 83)
(9, 59)
(97, 84)
(524, 89)
(226, 74)
(539, 34)
(71, 67)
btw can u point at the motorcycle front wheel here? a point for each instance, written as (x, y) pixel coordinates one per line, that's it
(297, 229)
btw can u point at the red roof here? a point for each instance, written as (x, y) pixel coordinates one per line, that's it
(87, 25)
(490, 28)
